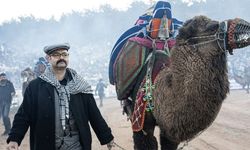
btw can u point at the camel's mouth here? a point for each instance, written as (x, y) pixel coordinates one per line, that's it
(237, 33)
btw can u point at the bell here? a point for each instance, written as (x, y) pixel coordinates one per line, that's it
(163, 33)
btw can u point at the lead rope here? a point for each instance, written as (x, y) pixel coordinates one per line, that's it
(119, 146)
(115, 144)
(184, 145)
(186, 142)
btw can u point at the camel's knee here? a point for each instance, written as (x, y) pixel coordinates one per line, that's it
(149, 122)
(144, 141)
(167, 144)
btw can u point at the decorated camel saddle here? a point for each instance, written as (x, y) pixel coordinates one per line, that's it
(139, 55)
(180, 89)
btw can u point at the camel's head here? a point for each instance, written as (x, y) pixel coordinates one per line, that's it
(229, 34)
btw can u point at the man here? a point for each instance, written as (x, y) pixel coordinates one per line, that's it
(58, 107)
(7, 91)
(100, 89)
(27, 75)
(40, 66)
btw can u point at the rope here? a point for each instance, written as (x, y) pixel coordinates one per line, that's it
(215, 36)
(115, 144)
(184, 145)
(187, 141)
(220, 35)
(119, 146)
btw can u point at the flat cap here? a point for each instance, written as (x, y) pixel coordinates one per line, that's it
(2, 75)
(51, 48)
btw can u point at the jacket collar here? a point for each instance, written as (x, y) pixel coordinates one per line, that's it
(49, 87)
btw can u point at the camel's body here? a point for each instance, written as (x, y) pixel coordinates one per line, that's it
(188, 95)
(191, 97)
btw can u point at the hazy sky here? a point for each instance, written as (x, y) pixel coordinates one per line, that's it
(12, 9)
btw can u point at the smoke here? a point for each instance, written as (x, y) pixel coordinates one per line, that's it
(92, 34)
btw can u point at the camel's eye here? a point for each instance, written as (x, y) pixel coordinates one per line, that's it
(212, 26)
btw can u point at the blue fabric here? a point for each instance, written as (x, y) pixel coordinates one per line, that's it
(162, 4)
(176, 25)
(160, 12)
(132, 32)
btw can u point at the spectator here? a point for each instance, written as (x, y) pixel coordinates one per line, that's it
(7, 92)
(100, 89)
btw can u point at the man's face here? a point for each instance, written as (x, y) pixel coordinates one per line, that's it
(2, 78)
(59, 59)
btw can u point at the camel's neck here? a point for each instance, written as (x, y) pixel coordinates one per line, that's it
(200, 70)
(196, 74)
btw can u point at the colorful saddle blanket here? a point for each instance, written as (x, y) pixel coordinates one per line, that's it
(132, 32)
(130, 62)
(128, 65)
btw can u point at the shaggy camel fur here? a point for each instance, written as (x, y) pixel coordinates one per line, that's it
(188, 95)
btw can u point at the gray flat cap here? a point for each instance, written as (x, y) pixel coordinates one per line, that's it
(2, 75)
(51, 48)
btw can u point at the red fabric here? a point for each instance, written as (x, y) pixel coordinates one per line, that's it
(148, 43)
(138, 115)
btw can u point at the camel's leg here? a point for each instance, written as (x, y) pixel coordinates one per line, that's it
(166, 144)
(145, 140)
(247, 88)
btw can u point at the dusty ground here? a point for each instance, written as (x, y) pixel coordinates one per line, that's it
(230, 131)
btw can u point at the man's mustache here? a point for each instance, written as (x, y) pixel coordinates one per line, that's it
(61, 60)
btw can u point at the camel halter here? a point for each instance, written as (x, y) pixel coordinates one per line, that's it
(219, 36)
(233, 34)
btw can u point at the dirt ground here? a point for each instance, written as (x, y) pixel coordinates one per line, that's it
(230, 131)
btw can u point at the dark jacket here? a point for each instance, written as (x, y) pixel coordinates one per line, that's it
(38, 112)
(6, 88)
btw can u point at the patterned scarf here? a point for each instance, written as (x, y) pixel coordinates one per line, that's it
(76, 85)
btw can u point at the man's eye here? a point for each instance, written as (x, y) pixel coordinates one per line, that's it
(56, 54)
(64, 54)
(59, 55)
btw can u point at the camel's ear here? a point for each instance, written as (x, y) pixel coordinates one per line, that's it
(193, 27)
(212, 26)
(187, 30)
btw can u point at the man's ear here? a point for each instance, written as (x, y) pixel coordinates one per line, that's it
(47, 57)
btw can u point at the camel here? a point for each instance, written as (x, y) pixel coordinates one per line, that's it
(189, 93)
